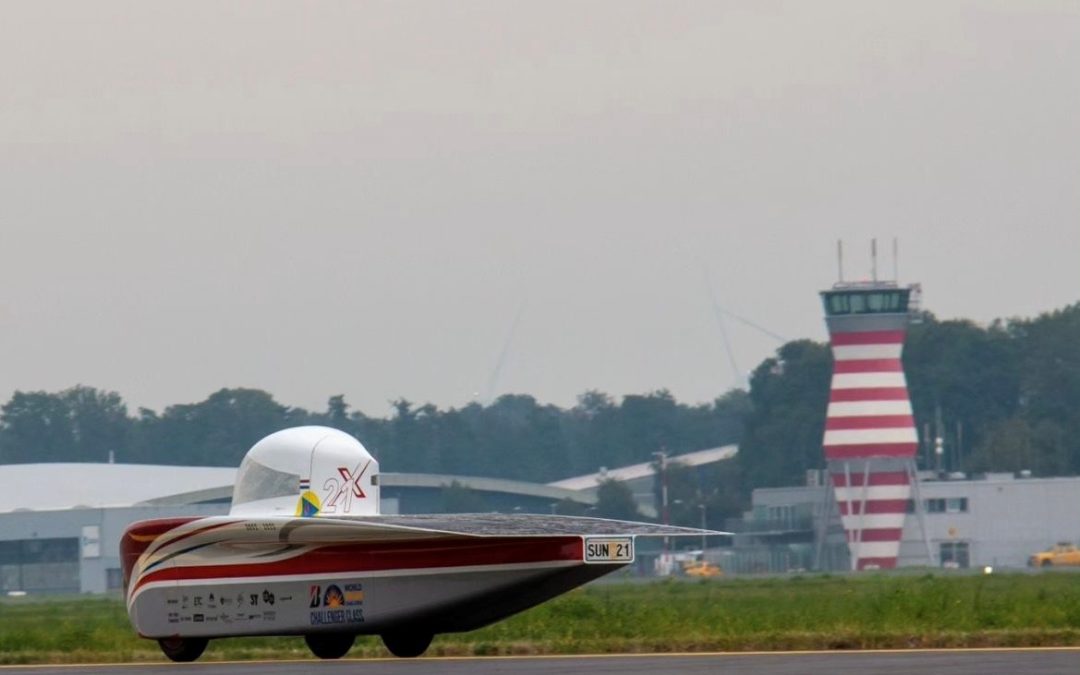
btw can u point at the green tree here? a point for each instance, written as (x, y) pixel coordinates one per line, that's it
(457, 498)
(969, 372)
(569, 507)
(337, 413)
(100, 424)
(788, 394)
(214, 432)
(1050, 386)
(77, 424)
(615, 500)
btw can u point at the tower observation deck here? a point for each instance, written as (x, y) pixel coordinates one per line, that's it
(870, 440)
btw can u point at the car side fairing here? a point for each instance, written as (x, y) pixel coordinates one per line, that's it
(225, 575)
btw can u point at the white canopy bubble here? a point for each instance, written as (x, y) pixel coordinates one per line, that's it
(307, 471)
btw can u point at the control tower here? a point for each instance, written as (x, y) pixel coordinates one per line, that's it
(870, 439)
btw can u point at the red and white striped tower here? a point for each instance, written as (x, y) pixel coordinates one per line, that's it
(870, 438)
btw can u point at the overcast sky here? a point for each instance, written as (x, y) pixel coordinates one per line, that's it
(360, 197)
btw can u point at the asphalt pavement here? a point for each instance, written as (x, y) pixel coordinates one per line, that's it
(936, 662)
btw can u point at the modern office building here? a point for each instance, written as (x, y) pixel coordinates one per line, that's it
(996, 520)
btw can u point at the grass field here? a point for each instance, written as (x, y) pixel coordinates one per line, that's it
(812, 612)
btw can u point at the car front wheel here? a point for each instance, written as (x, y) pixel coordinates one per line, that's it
(407, 644)
(329, 645)
(183, 650)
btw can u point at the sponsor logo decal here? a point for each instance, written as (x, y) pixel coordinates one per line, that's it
(329, 617)
(354, 594)
(333, 597)
(309, 504)
(334, 606)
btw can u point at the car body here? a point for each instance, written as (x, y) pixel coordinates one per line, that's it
(305, 551)
(703, 569)
(1061, 554)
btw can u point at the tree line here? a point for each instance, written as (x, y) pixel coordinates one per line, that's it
(1003, 397)
(515, 437)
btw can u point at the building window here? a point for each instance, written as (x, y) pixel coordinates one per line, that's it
(947, 505)
(114, 579)
(956, 505)
(40, 565)
(782, 513)
(954, 554)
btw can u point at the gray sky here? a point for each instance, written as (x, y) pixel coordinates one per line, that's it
(359, 197)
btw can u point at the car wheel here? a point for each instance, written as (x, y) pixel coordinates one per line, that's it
(407, 644)
(329, 645)
(183, 650)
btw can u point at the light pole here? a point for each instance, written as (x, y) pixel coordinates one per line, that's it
(662, 461)
(703, 528)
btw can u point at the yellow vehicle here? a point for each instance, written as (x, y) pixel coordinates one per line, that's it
(1061, 554)
(700, 568)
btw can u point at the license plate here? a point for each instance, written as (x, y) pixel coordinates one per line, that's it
(609, 549)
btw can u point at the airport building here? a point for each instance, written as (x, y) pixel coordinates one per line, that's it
(61, 523)
(641, 478)
(871, 508)
(995, 520)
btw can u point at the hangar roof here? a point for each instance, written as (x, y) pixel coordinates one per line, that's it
(44, 487)
(636, 471)
(67, 485)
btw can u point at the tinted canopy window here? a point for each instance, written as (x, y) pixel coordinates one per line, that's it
(255, 481)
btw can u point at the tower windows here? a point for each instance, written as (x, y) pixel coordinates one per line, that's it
(891, 301)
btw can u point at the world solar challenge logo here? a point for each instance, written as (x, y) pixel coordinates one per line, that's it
(333, 606)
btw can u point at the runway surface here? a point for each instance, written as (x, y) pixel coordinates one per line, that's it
(939, 662)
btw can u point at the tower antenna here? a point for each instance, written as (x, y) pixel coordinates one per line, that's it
(873, 258)
(840, 260)
(896, 259)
